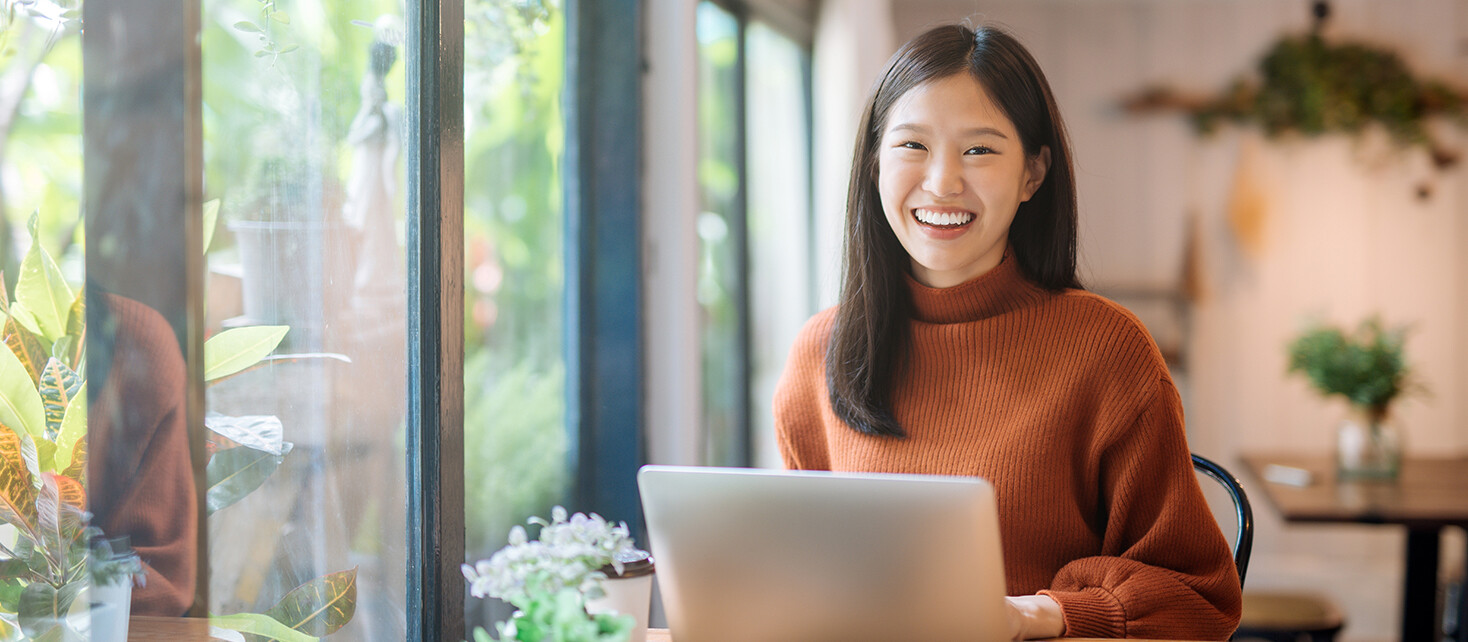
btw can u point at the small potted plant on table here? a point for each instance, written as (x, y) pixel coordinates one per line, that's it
(558, 582)
(1366, 367)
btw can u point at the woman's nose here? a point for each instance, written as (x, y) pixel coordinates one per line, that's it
(944, 177)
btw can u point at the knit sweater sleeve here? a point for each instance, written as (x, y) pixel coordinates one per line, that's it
(1165, 570)
(141, 479)
(800, 398)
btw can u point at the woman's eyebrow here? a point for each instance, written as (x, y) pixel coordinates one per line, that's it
(975, 131)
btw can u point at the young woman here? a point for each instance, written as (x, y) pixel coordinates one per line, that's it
(963, 344)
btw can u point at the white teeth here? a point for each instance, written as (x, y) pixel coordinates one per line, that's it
(943, 218)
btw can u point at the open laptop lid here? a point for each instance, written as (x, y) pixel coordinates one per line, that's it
(759, 555)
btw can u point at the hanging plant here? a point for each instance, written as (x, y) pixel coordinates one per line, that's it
(1313, 87)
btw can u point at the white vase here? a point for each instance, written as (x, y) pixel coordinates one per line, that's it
(110, 607)
(628, 594)
(1368, 448)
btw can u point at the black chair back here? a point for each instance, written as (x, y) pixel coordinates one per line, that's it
(1244, 542)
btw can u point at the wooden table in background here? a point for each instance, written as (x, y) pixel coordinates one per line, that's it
(1430, 494)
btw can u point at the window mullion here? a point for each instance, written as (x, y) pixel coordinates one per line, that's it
(435, 435)
(604, 254)
(142, 138)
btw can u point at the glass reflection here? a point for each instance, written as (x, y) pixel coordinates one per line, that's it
(305, 292)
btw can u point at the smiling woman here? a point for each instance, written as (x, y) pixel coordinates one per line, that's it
(952, 173)
(963, 345)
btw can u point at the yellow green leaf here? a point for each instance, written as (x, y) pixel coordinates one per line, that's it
(18, 480)
(22, 315)
(20, 402)
(70, 492)
(59, 386)
(4, 307)
(27, 348)
(234, 350)
(45, 455)
(211, 218)
(43, 289)
(234, 473)
(73, 431)
(69, 350)
(42, 607)
(321, 606)
(257, 624)
(77, 469)
(76, 316)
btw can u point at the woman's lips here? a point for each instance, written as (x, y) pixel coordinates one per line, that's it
(944, 219)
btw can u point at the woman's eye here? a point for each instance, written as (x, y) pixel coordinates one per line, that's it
(912, 144)
(978, 150)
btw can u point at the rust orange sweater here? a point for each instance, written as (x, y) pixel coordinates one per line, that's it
(140, 480)
(1063, 402)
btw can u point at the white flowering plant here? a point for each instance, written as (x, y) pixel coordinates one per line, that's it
(549, 580)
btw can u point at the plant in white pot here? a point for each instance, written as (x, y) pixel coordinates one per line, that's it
(115, 569)
(1368, 368)
(560, 582)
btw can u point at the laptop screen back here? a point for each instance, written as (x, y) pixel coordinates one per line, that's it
(772, 556)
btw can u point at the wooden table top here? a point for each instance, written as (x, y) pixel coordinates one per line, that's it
(143, 628)
(661, 635)
(1429, 492)
(147, 629)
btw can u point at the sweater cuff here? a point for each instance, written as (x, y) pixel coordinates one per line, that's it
(1090, 613)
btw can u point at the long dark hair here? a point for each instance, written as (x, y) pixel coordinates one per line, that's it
(871, 332)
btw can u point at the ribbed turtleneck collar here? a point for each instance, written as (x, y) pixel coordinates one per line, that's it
(992, 293)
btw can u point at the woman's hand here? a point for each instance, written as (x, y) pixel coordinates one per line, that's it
(1033, 616)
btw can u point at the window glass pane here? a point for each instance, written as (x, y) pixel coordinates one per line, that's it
(719, 277)
(303, 129)
(41, 165)
(515, 437)
(41, 185)
(778, 146)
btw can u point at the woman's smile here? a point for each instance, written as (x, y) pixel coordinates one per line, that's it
(944, 219)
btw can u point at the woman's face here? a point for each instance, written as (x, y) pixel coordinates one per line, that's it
(951, 171)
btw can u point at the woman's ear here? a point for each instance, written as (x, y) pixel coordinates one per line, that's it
(1035, 169)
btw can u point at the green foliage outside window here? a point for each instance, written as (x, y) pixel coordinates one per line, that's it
(515, 437)
(40, 130)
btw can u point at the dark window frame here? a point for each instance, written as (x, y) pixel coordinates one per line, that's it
(603, 280)
(435, 249)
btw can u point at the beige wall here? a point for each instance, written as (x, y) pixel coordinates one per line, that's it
(1344, 235)
(853, 40)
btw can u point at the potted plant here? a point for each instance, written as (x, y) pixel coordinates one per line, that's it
(114, 569)
(1366, 367)
(42, 453)
(56, 554)
(553, 580)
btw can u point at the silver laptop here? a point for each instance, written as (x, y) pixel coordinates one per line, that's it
(774, 556)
